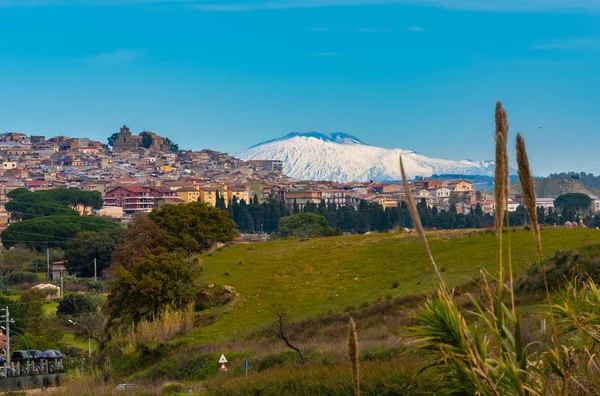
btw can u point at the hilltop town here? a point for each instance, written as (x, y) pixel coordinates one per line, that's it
(139, 172)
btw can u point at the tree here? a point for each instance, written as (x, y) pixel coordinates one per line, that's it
(146, 140)
(173, 147)
(150, 286)
(52, 231)
(575, 202)
(279, 329)
(34, 300)
(112, 139)
(193, 227)
(142, 238)
(26, 204)
(77, 304)
(296, 209)
(15, 259)
(305, 225)
(89, 245)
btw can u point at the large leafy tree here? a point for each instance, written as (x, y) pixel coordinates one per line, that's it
(78, 304)
(192, 227)
(112, 139)
(89, 245)
(573, 201)
(142, 238)
(149, 286)
(173, 147)
(34, 300)
(146, 140)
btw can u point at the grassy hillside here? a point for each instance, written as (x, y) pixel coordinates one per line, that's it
(326, 275)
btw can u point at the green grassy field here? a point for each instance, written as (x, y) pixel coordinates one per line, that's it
(325, 275)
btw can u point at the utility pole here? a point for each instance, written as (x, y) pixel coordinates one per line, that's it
(95, 278)
(48, 261)
(8, 322)
(62, 292)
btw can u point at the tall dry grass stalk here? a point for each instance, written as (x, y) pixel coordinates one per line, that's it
(414, 214)
(500, 182)
(528, 187)
(354, 355)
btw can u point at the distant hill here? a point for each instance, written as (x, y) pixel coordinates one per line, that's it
(552, 188)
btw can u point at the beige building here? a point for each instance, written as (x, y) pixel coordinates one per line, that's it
(188, 194)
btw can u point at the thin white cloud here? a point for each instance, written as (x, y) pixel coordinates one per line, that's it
(121, 57)
(373, 30)
(325, 54)
(252, 5)
(316, 29)
(570, 44)
(416, 29)
(472, 5)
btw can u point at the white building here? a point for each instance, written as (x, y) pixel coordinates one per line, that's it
(512, 206)
(545, 203)
(595, 206)
(443, 192)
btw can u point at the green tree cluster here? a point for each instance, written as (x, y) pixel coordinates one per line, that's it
(146, 140)
(112, 139)
(52, 231)
(150, 270)
(78, 304)
(587, 179)
(149, 286)
(193, 227)
(575, 202)
(89, 245)
(305, 225)
(25, 204)
(255, 217)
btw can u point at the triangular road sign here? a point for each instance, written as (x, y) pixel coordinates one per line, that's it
(222, 360)
(223, 367)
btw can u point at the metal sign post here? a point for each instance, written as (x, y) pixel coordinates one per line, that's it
(223, 365)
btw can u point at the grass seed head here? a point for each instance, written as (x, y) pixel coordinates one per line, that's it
(501, 167)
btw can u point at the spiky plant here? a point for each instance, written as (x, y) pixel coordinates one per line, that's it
(469, 362)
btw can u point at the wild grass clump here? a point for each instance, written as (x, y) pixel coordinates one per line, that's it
(490, 356)
(163, 328)
(377, 378)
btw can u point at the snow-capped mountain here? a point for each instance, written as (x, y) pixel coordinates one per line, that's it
(341, 157)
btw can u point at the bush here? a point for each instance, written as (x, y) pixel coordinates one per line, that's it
(18, 278)
(305, 225)
(74, 304)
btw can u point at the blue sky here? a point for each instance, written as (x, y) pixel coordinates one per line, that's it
(415, 74)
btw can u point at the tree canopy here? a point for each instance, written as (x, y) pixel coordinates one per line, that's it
(25, 204)
(112, 139)
(192, 227)
(52, 231)
(146, 140)
(89, 245)
(77, 304)
(150, 286)
(305, 225)
(573, 201)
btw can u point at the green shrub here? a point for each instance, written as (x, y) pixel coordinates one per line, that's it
(19, 278)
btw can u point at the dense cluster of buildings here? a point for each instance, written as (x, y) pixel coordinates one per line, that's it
(140, 172)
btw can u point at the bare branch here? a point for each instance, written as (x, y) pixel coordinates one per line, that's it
(281, 317)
